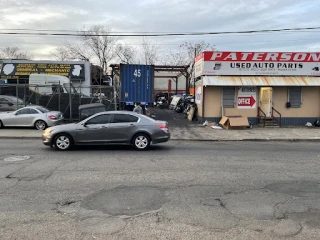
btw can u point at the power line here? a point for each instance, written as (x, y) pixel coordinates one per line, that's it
(203, 36)
(113, 34)
(177, 45)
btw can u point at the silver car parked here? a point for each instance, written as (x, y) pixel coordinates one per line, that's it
(33, 116)
(10, 103)
(115, 127)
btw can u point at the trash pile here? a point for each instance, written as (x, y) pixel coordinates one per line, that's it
(316, 124)
(229, 122)
(180, 103)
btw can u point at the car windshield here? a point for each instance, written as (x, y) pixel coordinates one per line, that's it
(43, 110)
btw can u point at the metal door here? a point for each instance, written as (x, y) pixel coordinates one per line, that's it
(95, 131)
(92, 134)
(122, 128)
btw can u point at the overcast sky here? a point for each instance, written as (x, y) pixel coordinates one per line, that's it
(166, 16)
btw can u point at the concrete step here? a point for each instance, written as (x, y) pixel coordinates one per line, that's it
(269, 122)
(269, 126)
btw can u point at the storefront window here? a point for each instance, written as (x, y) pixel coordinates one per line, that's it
(295, 97)
(228, 98)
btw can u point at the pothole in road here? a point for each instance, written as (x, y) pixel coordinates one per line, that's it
(16, 158)
(126, 200)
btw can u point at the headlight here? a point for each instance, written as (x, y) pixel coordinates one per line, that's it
(48, 130)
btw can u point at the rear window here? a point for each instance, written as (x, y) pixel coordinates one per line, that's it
(149, 118)
(124, 118)
(43, 110)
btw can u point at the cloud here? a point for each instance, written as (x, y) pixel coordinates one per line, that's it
(167, 16)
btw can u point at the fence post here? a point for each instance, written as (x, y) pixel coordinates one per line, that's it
(24, 94)
(17, 94)
(59, 97)
(70, 99)
(114, 93)
(80, 94)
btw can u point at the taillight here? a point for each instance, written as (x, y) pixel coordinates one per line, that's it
(163, 127)
(52, 117)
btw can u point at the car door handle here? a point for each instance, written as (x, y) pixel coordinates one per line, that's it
(131, 125)
(103, 127)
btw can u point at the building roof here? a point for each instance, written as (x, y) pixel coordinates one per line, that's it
(260, 81)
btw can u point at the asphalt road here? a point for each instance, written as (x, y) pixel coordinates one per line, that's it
(179, 190)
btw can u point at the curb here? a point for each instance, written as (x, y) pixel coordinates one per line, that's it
(18, 137)
(250, 140)
(204, 140)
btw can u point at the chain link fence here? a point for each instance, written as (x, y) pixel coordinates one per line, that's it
(63, 98)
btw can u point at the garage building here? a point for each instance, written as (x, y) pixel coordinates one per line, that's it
(278, 88)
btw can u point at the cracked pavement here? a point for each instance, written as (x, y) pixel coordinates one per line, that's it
(177, 190)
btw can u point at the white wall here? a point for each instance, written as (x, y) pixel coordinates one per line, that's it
(162, 83)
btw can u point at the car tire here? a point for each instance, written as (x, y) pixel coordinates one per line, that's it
(63, 142)
(141, 141)
(40, 125)
(1, 124)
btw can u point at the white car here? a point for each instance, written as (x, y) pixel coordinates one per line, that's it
(32, 116)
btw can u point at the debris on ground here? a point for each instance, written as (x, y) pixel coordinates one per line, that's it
(234, 122)
(209, 124)
(216, 127)
(309, 124)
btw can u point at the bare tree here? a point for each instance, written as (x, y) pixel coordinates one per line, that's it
(14, 53)
(175, 59)
(126, 53)
(103, 47)
(78, 51)
(192, 50)
(149, 52)
(61, 54)
(94, 45)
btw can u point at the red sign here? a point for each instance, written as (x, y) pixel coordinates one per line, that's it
(260, 56)
(246, 101)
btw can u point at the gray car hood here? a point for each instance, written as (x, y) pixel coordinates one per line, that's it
(67, 127)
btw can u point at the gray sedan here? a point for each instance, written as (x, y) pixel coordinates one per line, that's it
(33, 116)
(117, 127)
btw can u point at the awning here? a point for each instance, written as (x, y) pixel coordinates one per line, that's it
(260, 81)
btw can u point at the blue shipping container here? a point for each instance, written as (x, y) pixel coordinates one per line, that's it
(136, 83)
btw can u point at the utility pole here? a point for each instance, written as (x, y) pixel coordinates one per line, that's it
(194, 76)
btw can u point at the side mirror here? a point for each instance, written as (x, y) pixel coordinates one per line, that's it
(10, 104)
(84, 124)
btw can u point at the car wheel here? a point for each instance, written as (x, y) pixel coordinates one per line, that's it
(141, 141)
(63, 142)
(40, 125)
(1, 124)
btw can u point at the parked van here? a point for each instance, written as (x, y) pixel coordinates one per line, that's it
(46, 84)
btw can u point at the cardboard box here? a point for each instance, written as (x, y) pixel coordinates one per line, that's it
(234, 122)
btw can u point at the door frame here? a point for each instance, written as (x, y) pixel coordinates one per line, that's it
(269, 111)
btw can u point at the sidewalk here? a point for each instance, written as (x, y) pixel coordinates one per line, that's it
(200, 133)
